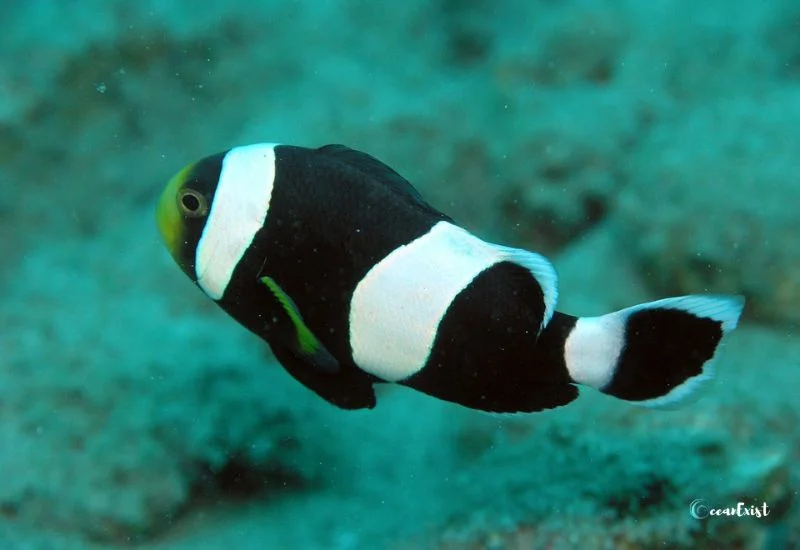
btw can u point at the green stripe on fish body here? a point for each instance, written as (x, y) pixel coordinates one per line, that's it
(307, 344)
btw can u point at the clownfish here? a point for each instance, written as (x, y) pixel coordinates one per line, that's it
(339, 264)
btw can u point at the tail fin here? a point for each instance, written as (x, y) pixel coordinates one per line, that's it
(658, 354)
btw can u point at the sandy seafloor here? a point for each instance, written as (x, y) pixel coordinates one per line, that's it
(650, 148)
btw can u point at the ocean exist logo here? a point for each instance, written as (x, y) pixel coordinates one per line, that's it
(699, 509)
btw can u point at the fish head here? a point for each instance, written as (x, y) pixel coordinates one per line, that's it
(182, 211)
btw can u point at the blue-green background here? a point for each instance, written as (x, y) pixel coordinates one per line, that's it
(650, 148)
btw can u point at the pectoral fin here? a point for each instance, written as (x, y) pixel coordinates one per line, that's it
(304, 344)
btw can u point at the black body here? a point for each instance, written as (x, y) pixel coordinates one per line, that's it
(334, 214)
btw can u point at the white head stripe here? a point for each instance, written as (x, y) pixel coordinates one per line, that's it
(238, 211)
(397, 307)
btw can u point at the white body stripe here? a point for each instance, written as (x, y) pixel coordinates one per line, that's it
(238, 210)
(397, 307)
(593, 348)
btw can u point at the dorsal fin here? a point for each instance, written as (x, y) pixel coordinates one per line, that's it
(542, 270)
(370, 165)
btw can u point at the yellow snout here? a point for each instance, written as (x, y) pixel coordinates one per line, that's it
(168, 215)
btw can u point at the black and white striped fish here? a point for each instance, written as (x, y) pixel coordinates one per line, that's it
(338, 263)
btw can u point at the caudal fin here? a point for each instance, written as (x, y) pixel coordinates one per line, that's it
(658, 354)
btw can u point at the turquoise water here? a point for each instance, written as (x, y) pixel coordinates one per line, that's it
(648, 149)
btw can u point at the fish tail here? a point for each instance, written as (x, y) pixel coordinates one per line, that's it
(657, 354)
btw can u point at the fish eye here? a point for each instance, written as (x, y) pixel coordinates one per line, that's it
(192, 203)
